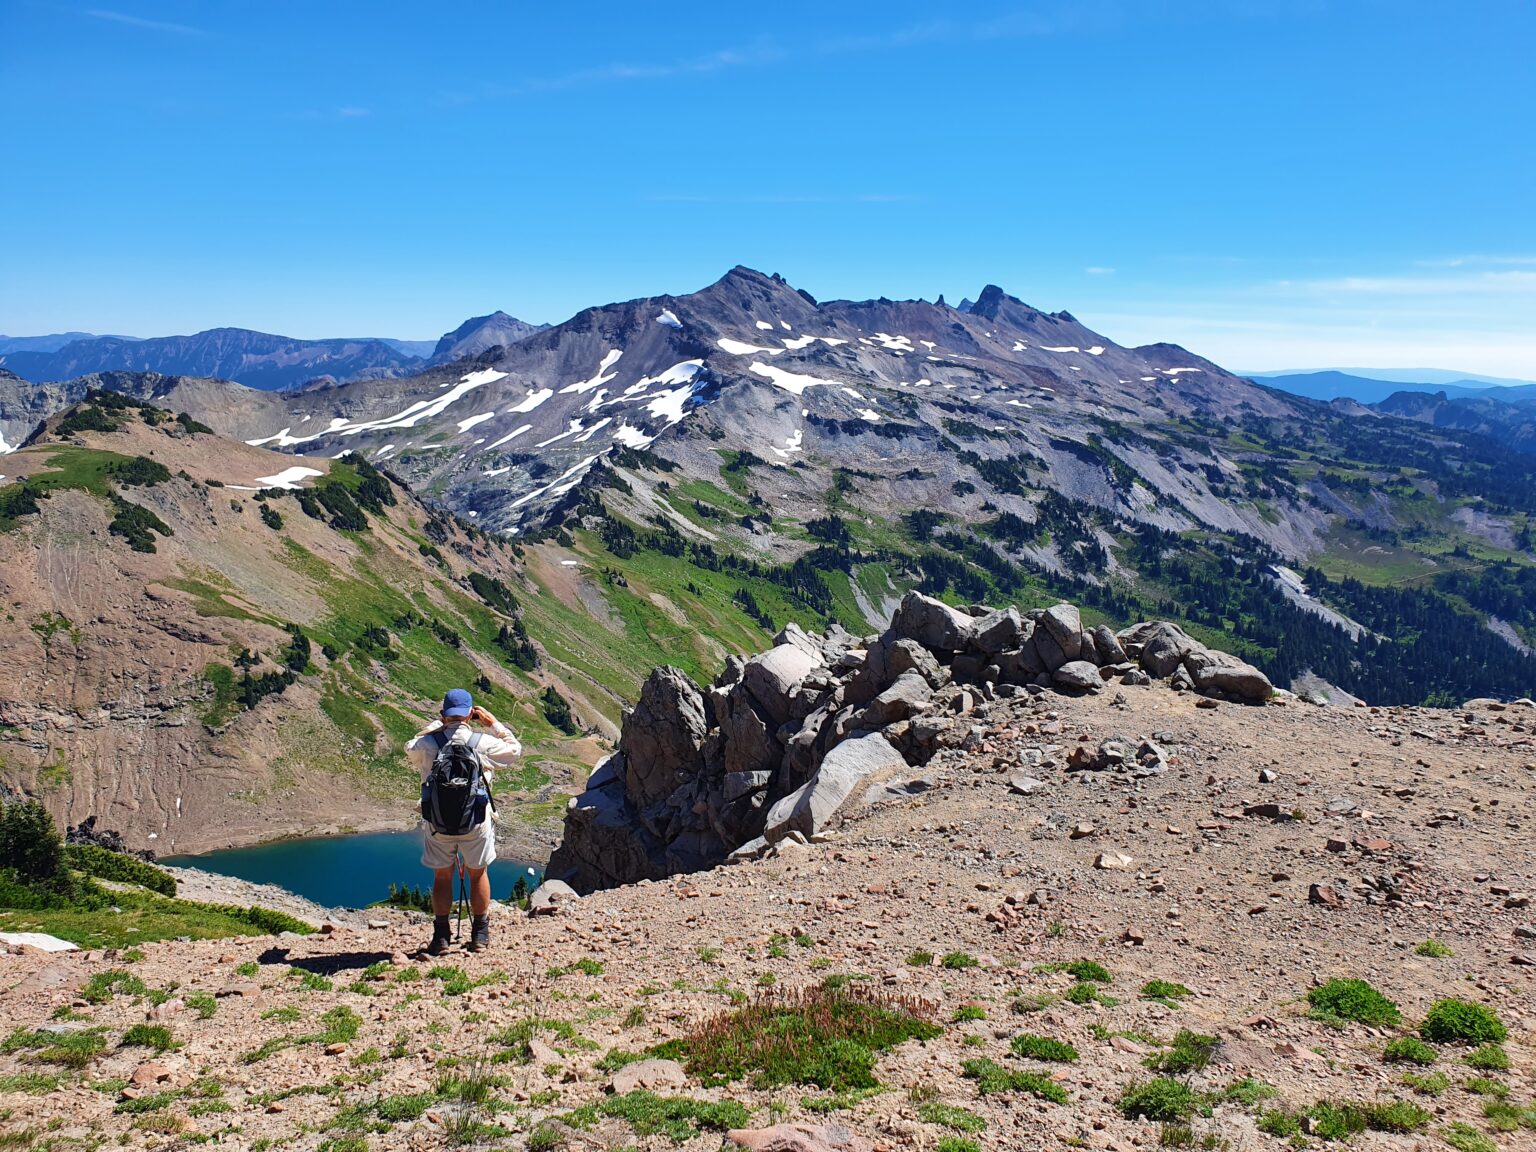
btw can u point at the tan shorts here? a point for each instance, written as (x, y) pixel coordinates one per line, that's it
(478, 847)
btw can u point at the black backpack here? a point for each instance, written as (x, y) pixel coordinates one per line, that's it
(453, 798)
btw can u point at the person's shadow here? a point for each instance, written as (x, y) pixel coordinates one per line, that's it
(324, 965)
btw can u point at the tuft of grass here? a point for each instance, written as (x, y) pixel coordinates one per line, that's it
(586, 966)
(678, 1118)
(1033, 1002)
(1280, 1123)
(1400, 1116)
(1164, 992)
(73, 1050)
(1248, 1092)
(156, 1036)
(202, 1003)
(1166, 1099)
(1353, 1000)
(1408, 1050)
(1426, 1083)
(247, 969)
(1487, 1086)
(1488, 1058)
(968, 1012)
(32, 1083)
(1034, 1047)
(1433, 949)
(102, 986)
(920, 958)
(993, 1079)
(950, 1116)
(1084, 992)
(956, 1144)
(1090, 971)
(816, 1035)
(1505, 1117)
(1189, 1052)
(1330, 1121)
(1453, 1021)
(959, 961)
(1465, 1138)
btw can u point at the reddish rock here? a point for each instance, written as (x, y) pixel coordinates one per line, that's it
(1325, 895)
(799, 1138)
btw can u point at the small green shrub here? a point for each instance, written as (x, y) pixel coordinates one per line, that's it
(1401, 1116)
(956, 1144)
(1084, 992)
(1408, 1050)
(1248, 1092)
(967, 1012)
(156, 1036)
(1189, 1052)
(1353, 1000)
(949, 1116)
(247, 969)
(992, 1079)
(202, 1003)
(1034, 1047)
(1164, 992)
(1164, 1099)
(102, 986)
(1433, 949)
(1506, 1117)
(676, 1117)
(1453, 1021)
(1426, 1083)
(958, 961)
(1332, 1121)
(1088, 970)
(1487, 1086)
(1465, 1138)
(1278, 1122)
(1488, 1058)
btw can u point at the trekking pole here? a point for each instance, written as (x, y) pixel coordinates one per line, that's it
(458, 927)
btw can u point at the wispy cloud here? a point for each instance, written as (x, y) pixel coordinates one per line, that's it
(1475, 261)
(1009, 26)
(1099, 270)
(139, 22)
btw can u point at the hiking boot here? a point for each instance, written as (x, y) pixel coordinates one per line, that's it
(480, 935)
(441, 937)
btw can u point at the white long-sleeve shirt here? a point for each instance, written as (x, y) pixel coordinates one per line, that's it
(497, 748)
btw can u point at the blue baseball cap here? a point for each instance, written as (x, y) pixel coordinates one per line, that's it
(457, 703)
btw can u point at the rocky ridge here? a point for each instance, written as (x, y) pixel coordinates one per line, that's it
(972, 895)
(779, 742)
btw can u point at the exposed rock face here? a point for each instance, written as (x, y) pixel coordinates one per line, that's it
(777, 746)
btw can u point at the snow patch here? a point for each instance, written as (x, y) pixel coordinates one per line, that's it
(1064, 348)
(1096, 350)
(764, 326)
(509, 437)
(784, 324)
(669, 319)
(575, 427)
(587, 435)
(893, 343)
(1019, 345)
(599, 379)
(740, 348)
(288, 478)
(531, 401)
(631, 437)
(869, 414)
(466, 425)
(406, 418)
(789, 381)
(855, 394)
(1176, 371)
(497, 471)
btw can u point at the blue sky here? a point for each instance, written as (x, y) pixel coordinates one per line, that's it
(1273, 184)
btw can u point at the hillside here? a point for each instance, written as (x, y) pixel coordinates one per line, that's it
(1107, 959)
(706, 468)
(210, 645)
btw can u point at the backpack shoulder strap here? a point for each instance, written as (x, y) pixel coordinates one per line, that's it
(440, 738)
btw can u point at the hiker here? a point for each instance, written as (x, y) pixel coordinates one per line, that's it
(455, 764)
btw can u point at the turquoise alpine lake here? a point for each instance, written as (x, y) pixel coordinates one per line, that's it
(344, 871)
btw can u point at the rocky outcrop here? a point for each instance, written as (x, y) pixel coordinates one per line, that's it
(778, 744)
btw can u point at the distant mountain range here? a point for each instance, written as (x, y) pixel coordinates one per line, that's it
(1372, 385)
(256, 359)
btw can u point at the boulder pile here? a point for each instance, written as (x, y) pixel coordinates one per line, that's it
(776, 745)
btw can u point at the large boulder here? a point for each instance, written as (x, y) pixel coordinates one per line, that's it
(1226, 675)
(810, 808)
(1107, 645)
(772, 676)
(663, 737)
(604, 842)
(933, 623)
(1162, 646)
(1063, 624)
(998, 632)
(909, 696)
(1078, 676)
